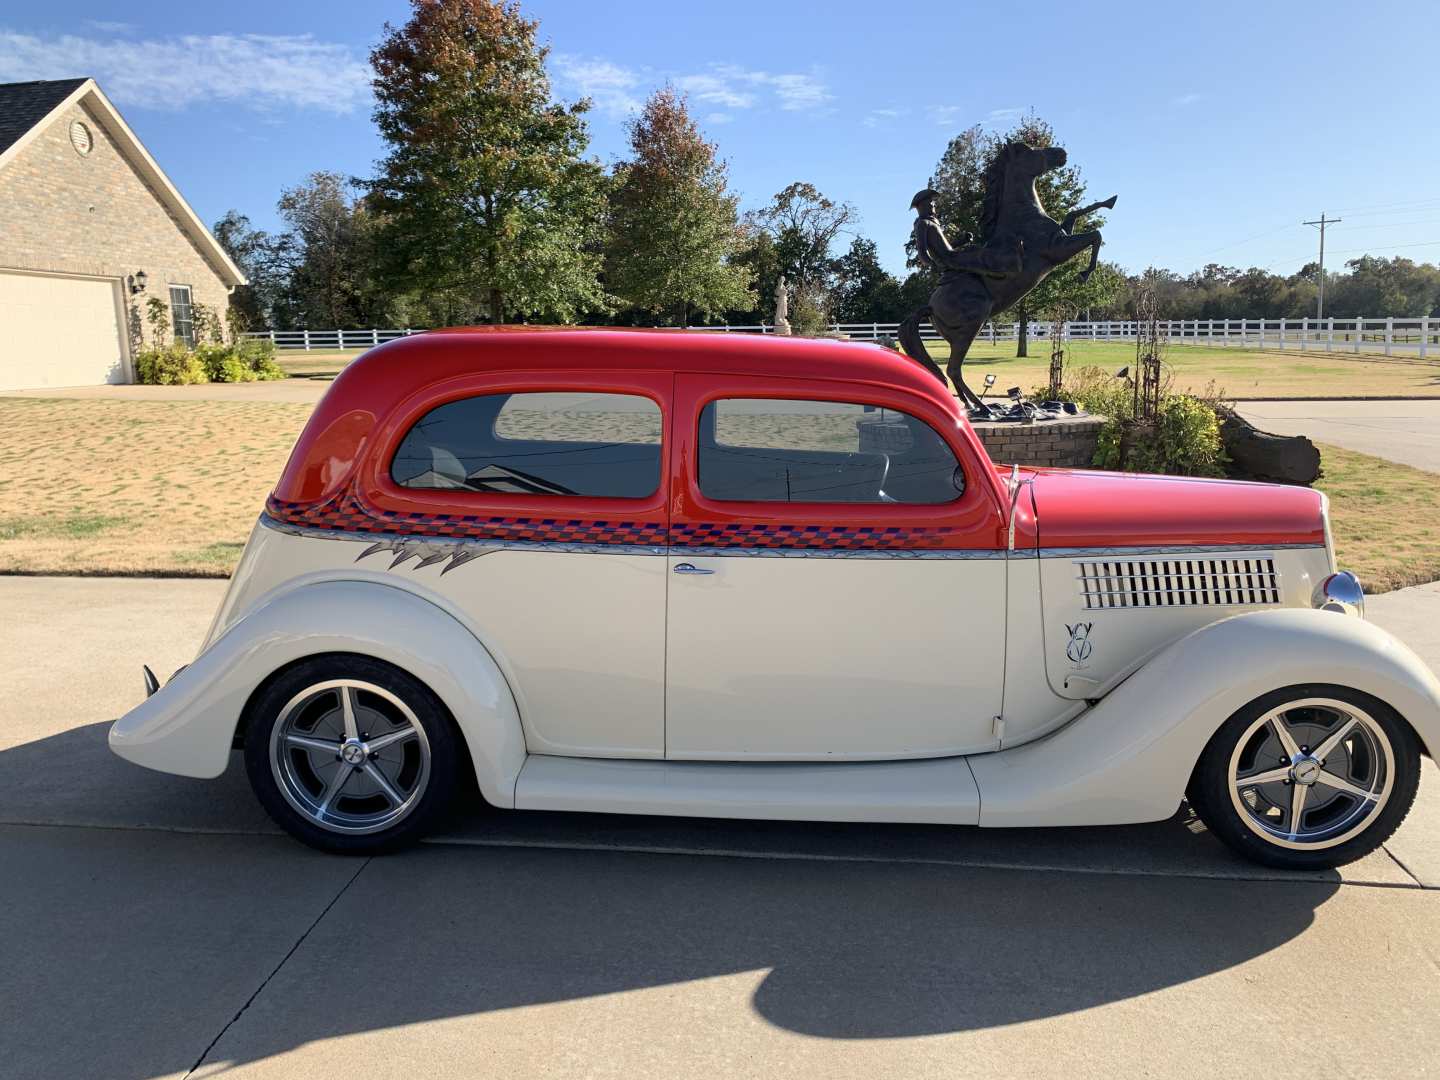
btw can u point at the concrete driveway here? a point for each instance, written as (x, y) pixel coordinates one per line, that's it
(155, 926)
(1403, 431)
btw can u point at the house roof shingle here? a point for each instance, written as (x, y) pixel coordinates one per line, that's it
(25, 104)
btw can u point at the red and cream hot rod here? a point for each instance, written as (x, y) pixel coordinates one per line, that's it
(736, 576)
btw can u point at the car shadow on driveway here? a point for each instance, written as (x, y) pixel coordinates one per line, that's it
(834, 931)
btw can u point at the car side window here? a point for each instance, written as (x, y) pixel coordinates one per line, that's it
(542, 443)
(777, 450)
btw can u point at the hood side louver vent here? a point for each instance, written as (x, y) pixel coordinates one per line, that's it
(1199, 582)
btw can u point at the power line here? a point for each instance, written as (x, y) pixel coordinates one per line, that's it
(1320, 297)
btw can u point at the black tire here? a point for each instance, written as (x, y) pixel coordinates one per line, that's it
(434, 782)
(1211, 798)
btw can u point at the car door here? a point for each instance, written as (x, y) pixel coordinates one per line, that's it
(559, 478)
(837, 575)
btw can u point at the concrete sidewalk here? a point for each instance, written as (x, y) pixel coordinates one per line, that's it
(155, 926)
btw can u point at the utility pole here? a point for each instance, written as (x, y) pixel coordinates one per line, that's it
(1320, 298)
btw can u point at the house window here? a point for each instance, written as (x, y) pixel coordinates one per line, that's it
(182, 314)
(540, 443)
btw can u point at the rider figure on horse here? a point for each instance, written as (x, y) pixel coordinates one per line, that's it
(934, 250)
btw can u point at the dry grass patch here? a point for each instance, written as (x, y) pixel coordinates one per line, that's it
(1386, 519)
(113, 486)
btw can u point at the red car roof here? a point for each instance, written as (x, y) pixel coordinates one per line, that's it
(399, 367)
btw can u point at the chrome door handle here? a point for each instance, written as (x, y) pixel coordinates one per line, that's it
(691, 568)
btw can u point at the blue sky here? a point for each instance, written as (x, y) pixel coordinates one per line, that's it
(1221, 126)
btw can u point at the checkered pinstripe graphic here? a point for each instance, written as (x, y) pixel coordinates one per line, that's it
(719, 534)
(346, 513)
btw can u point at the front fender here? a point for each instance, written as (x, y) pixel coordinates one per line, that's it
(187, 727)
(1129, 758)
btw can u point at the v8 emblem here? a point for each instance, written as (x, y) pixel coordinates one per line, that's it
(1079, 648)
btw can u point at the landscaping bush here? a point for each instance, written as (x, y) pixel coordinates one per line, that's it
(173, 365)
(222, 365)
(1182, 440)
(259, 355)
(243, 361)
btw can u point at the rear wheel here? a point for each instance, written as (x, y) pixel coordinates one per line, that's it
(350, 754)
(1308, 777)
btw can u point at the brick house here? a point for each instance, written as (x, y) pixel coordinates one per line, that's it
(90, 229)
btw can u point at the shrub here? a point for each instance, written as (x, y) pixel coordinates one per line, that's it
(172, 365)
(1183, 440)
(259, 355)
(223, 365)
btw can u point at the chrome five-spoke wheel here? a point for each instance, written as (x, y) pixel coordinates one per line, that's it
(1307, 777)
(1311, 773)
(350, 754)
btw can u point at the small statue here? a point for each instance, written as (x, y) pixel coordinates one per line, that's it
(782, 308)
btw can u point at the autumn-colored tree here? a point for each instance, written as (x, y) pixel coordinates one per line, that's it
(673, 225)
(484, 190)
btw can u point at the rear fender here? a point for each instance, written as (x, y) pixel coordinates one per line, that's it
(187, 727)
(1129, 757)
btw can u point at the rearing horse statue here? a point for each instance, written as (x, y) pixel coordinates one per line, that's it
(1011, 220)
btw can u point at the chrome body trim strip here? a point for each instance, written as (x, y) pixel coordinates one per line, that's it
(1218, 550)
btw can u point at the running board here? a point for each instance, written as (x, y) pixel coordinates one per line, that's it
(934, 790)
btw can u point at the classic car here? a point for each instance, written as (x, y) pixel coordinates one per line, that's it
(726, 575)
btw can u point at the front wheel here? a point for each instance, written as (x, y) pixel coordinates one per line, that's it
(351, 755)
(1308, 777)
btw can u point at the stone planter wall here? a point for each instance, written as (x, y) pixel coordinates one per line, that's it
(1065, 443)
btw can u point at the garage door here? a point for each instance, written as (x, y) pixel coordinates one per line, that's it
(58, 331)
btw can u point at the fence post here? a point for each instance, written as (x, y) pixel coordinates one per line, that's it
(1424, 334)
(1389, 332)
(307, 340)
(375, 337)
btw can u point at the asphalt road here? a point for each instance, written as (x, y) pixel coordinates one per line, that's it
(1403, 431)
(154, 926)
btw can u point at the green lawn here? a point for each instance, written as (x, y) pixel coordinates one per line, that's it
(1236, 373)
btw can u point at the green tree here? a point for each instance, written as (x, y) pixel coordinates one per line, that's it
(803, 225)
(330, 252)
(484, 190)
(865, 291)
(260, 257)
(673, 225)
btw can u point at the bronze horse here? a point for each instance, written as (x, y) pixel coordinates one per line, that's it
(1011, 216)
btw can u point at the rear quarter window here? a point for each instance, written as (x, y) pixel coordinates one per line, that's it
(541, 443)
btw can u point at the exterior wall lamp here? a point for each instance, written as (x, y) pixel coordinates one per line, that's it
(137, 282)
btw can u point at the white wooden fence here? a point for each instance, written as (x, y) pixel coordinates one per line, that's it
(1389, 336)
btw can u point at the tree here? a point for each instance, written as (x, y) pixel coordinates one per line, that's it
(865, 291)
(802, 224)
(259, 255)
(483, 190)
(330, 252)
(673, 225)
